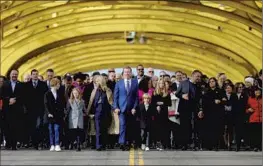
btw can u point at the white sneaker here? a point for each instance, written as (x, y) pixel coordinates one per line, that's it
(52, 148)
(147, 149)
(143, 147)
(57, 148)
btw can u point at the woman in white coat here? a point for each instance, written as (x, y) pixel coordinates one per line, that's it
(76, 109)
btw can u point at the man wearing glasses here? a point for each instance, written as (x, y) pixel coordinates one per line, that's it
(140, 73)
(162, 74)
(150, 72)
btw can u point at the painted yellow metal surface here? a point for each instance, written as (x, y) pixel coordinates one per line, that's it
(213, 36)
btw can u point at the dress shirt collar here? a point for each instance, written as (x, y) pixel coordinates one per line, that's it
(53, 90)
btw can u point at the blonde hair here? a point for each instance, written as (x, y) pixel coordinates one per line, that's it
(54, 82)
(101, 83)
(146, 95)
(72, 96)
(158, 91)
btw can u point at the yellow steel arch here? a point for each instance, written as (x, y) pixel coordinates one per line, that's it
(160, 14)
(58, 55)
(124, 61)
(157, 26)
(123, 53)
(95, 66)
(155, 39)
(233, 39)
(170, 60)
(154, 4)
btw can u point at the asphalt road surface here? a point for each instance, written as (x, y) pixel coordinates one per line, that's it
(132, 157)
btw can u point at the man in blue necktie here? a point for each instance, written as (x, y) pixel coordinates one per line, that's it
(125, 103)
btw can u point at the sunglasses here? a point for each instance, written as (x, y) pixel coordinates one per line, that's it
(111, 71)
(141, 69)
(161, 75)
(150, 71)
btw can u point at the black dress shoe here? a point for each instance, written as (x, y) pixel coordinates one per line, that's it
(195, 149)
(122, 147)
(78, 149)
(237, 149)
(184, 148)
(14, 148)
(7, 147)
(127, 147)
(26, 146)
(255, 149)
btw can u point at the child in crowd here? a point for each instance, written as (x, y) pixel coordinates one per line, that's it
(54, 104)
(146, 115)
(76, 109)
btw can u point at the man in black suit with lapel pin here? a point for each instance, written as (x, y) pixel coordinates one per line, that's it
(12, 93)
(34, 101)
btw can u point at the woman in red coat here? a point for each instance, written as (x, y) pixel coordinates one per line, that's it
(255, 119)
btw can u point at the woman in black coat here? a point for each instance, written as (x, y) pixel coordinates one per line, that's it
(213, 115)
(240, 113)
(161, 100)
(55, 106)
(230, 100)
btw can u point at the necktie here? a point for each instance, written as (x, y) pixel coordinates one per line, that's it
(48, 84)
(35, 84)
(128, 86)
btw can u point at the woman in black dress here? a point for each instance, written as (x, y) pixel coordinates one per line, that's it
(161, 100)
(213, 115)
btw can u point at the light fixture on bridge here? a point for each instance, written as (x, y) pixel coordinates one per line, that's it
(130, 37)
(54, 15)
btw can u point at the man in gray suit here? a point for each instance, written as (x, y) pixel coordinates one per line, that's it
(189, 94)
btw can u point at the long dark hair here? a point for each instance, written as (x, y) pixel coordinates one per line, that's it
(237, 86)
(254, 90)
(213, 78)
(143, 85)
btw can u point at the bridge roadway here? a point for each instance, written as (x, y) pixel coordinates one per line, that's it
(132, 157)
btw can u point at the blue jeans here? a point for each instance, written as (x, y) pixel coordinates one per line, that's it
(53, 133)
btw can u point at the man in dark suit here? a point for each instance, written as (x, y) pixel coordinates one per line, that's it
(125, 104)
(140, 73)
(12, 93)
(50, 74)
(189, 94)
(178, 79)
(35, 91)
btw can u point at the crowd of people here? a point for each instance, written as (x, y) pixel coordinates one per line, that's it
(113, 110)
